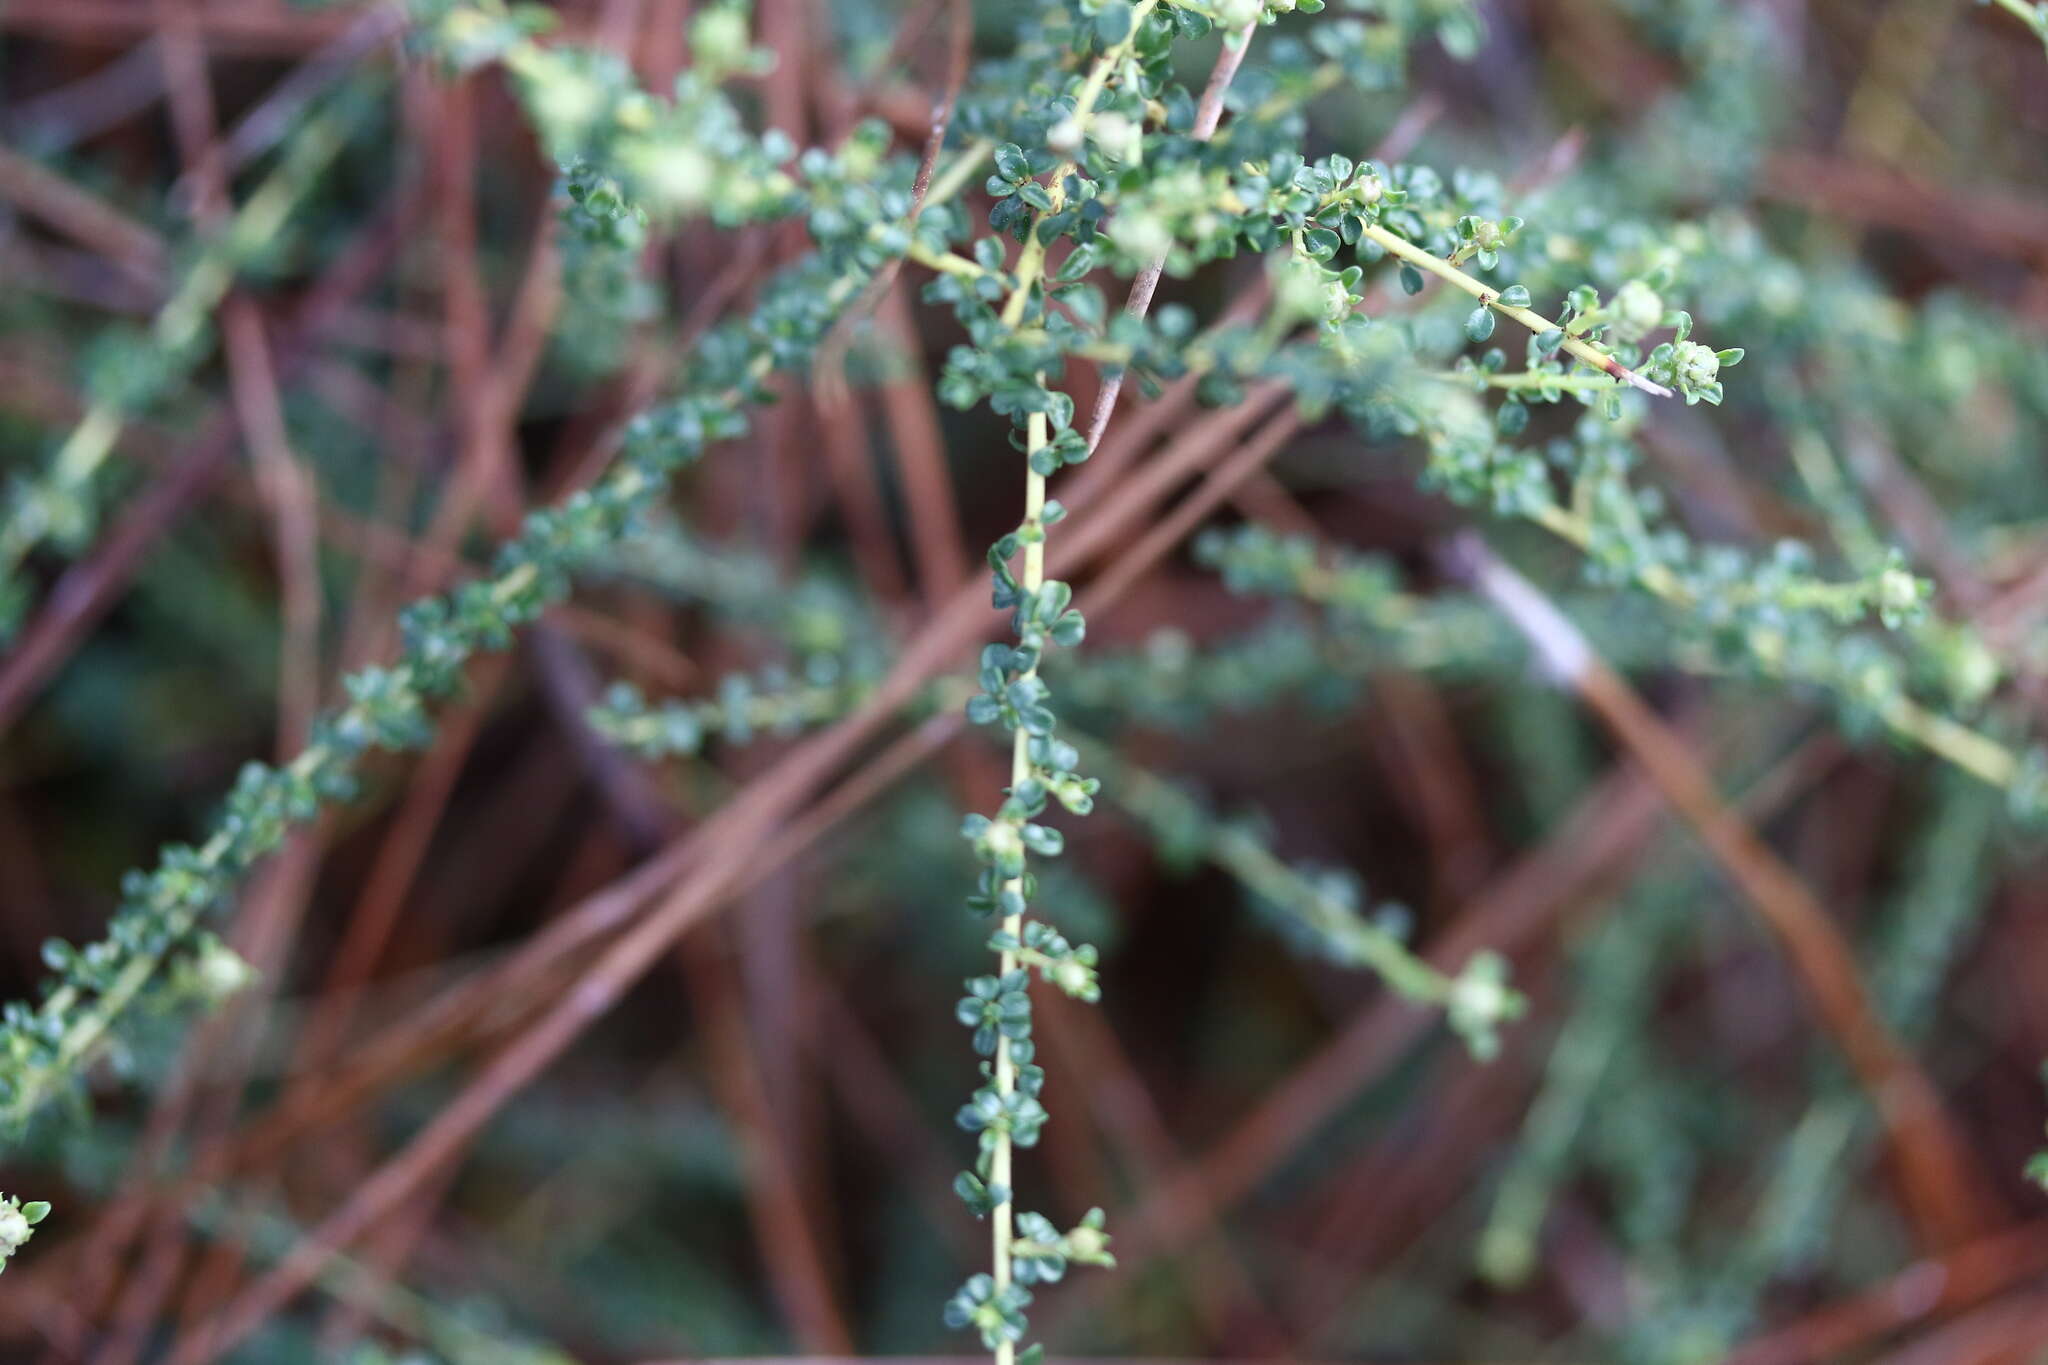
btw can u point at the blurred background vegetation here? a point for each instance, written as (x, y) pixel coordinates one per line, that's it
(752, 1154)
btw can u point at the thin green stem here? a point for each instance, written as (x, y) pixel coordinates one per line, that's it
(1029, 269)
(1529, 381)
(83, 1031)
(1973, 752)
(178, 323)
(1354, 940)
(1436, 265)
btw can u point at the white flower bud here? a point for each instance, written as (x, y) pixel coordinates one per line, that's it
(14, 1229)
(1898, 591)
(1479, 998)
(1003, 841)
(1143, 236)
(219, 971)
(677, 177)
(635, 112)
(1336, 301)
(565, 101)
(1302, 290)
(1120, 138)
(1973, 670)
(718, 39)
(1637, 310)
(1695, 365)
(1086, 1244)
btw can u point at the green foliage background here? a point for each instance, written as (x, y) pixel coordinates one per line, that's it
(656, 361)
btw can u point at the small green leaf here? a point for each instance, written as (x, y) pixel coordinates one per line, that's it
(1479, 323)
(1011, 163)
(1515, 296)
(1411, 279)
(1113, 22)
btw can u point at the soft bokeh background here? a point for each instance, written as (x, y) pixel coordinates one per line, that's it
(752, 1155)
